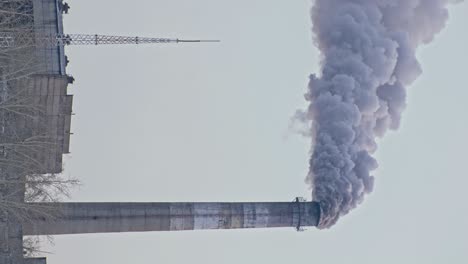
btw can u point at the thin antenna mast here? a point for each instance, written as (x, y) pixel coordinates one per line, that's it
(8, 39)
(199, 40)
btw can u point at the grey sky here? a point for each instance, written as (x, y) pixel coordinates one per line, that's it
(208, 123)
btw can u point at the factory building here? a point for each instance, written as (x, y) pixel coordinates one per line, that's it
(49, 93)
(44, 86)
(50, 85)
(48, 21)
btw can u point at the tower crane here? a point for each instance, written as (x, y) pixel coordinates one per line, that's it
(24, 39)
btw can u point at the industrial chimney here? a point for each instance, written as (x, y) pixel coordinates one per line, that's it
(79, 218)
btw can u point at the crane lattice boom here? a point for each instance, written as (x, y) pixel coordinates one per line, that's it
(16, 39)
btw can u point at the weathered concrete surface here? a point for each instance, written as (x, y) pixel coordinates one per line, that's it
(48, 21)
(78, 218)
(11, 235)
(35, 261)
(11, 243)
(52, 124)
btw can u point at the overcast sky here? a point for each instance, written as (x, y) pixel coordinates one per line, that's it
(209, 122)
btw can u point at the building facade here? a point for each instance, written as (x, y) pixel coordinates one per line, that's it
(50, 85)
(35, 112)
(48, 21)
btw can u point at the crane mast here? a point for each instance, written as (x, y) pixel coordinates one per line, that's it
(22, 39)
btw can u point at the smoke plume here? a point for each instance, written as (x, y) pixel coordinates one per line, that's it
(368, 59)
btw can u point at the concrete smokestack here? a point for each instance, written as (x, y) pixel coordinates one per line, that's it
(80, 218)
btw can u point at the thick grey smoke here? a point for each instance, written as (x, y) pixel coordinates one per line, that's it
(368, 59)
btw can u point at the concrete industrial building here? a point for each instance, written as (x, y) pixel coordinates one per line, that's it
(45, 89)
(44, 86)
(49, 85)
(49, 92)
(48, 21)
